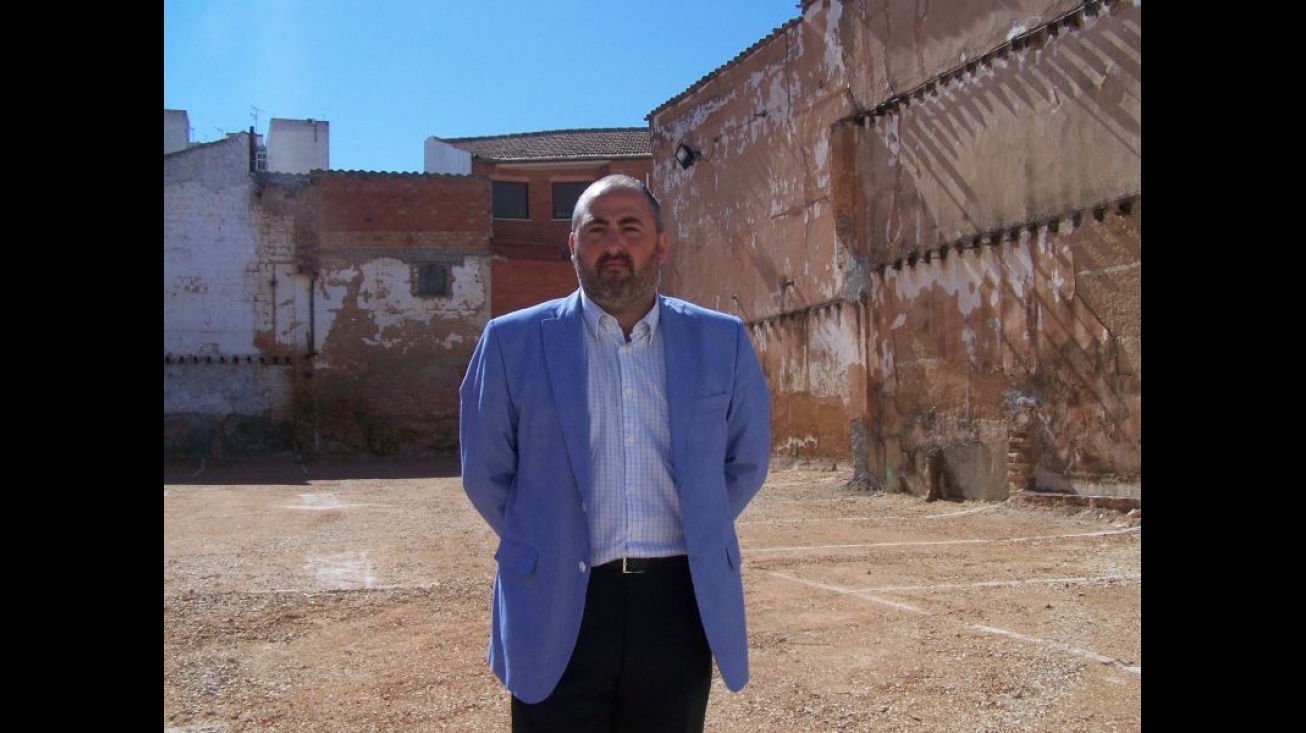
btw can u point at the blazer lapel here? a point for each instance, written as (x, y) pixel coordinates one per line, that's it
(682, 369)
(564, 361)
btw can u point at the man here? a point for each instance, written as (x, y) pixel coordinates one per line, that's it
(610, 439)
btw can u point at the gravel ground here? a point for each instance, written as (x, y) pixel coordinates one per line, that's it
(353, 596)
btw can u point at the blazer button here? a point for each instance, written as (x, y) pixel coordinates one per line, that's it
(582, 566)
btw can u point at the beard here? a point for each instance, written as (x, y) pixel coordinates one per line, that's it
(615, 291)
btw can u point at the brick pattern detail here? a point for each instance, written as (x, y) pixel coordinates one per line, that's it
(1021, 456)
(518, 284)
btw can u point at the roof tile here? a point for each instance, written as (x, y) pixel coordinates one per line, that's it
(590, 144)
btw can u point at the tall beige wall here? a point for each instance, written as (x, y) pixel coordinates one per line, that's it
(932, 221)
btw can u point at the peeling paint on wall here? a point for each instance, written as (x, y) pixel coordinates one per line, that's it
(924, 165)
(311, 335)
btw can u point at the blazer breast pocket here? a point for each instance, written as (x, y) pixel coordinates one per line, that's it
(707, 426)
(709, 404)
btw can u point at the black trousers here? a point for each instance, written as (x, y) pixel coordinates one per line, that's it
(641, 664)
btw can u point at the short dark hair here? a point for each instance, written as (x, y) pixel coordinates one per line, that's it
(612, 182)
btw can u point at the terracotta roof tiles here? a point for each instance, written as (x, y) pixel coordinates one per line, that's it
(591, 144)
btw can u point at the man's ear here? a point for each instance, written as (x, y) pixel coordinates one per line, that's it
(663, 243)
(571, 244)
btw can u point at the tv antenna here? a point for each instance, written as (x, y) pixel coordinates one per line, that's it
(254, 112)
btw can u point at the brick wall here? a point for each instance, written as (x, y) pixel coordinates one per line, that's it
(390, 360)
(521, 283)
(366, 208)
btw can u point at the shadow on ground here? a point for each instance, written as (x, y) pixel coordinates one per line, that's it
(289, 470)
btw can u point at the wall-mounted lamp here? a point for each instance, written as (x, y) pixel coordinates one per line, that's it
(686, 155)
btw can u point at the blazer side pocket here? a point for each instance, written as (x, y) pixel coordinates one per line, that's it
(520, 559)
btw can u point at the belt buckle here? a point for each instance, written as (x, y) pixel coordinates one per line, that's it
(625, 571)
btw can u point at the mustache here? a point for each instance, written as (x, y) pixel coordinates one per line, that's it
(619, 257)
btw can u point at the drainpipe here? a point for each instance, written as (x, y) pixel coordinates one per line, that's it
(253, 151)
(312, 314)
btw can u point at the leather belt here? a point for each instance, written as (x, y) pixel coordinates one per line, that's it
(636, 565)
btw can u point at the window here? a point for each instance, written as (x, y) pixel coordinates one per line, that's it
(510, 200)
(432, 281)
(565, 194)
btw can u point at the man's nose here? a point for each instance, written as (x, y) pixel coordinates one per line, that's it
(613, 241)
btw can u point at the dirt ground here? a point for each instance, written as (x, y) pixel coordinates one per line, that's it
(354, 596)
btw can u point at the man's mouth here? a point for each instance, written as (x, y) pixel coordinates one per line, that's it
(615, 265)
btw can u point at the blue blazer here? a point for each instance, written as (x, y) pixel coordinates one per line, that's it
(524, 443)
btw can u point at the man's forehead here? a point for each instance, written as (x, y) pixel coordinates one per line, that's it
(617, 203)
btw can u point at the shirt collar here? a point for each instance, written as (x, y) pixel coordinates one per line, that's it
(594, 313)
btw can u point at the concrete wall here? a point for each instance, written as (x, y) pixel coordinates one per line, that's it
(176, 130)
(933, 223)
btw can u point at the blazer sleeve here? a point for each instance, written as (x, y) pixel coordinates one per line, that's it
(487, 421)
(748, 439)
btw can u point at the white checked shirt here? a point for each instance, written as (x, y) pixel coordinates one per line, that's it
(636, 511)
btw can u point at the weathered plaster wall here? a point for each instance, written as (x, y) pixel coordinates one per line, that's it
(227, 381)
(389, 362)
(290, 315)
(989, 143)
(1036, 335)
(753, 212)
(931, 218)
(811, 359)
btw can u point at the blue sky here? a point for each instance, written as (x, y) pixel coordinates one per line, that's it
(387, 74)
